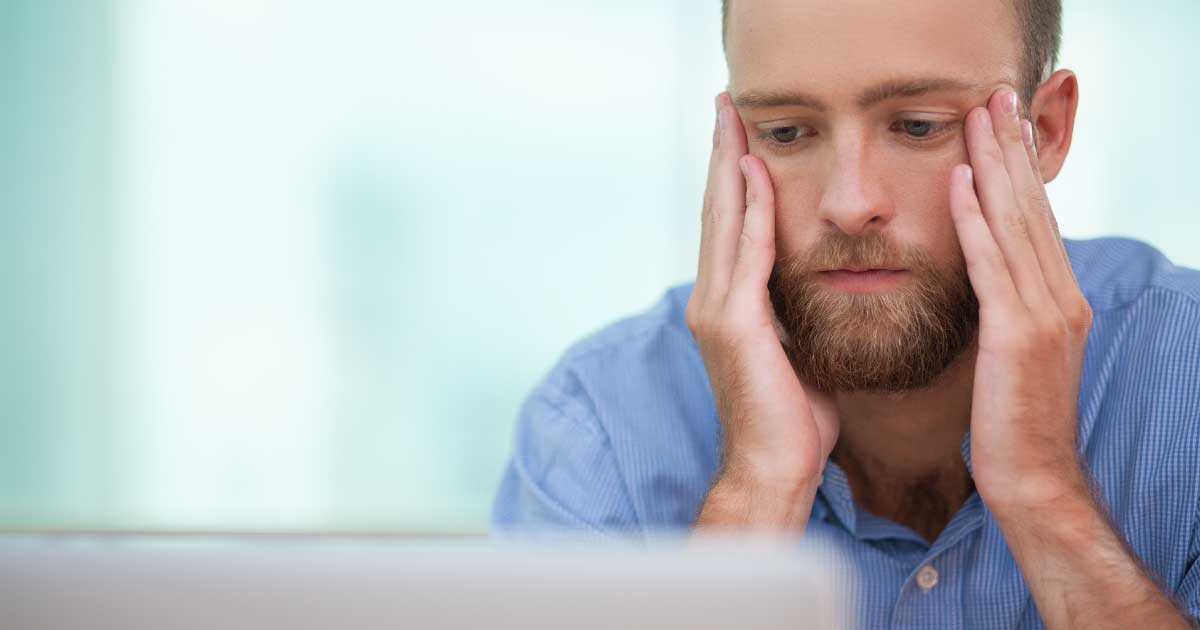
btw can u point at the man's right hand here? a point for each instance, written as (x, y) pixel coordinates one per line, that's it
(776, 434)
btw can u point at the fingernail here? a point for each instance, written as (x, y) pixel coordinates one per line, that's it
(745, 169)
(1010, 103)
(969, 174)
(1027, 133)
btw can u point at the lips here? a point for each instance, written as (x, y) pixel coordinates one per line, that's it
(863, 279)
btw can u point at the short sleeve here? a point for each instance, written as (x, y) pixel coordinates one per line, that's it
(562, 477)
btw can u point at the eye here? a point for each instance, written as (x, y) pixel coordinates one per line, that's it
(784, 138)
(784, 135)
(920, 130)
(917, 128)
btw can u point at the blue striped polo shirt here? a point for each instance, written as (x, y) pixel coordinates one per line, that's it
(621, 438)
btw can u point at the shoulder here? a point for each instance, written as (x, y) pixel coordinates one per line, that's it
(619, 372)
(628, 338)
(639, 390)
(1146, 324)
(1116, 273)
(629, 360)
(1145, 340)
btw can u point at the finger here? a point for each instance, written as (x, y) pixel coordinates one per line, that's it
(701, 286)
(1000, 208)
(756, 244)
(986, 266)
(1031, 196)
(727, 199)
(1060, 277)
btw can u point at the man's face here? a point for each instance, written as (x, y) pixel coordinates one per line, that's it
(856, 107)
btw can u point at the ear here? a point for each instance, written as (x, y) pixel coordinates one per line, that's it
(1053, 115)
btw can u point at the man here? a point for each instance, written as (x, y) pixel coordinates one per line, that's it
(888, 342)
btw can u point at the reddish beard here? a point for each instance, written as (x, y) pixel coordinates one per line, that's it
(895, 340)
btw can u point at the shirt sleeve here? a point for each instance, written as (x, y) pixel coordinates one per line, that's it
(562, 478)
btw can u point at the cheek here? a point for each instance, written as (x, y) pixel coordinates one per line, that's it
(921, 188)
(797, 195)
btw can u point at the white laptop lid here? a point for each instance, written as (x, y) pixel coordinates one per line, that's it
(103, 582)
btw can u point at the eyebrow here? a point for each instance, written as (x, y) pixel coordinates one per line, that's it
(894, 88)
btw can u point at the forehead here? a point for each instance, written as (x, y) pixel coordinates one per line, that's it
(836, 47)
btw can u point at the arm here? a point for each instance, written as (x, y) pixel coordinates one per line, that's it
(1034, 324)
(562, 479)
(1081, 572)
(776, 433)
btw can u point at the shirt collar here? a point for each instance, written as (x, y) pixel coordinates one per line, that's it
(835, 500)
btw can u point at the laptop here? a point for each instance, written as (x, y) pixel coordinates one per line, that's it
(305, 582)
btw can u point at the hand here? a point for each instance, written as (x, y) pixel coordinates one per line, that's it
(1034, 321)
(776, 434)
(1034, 324)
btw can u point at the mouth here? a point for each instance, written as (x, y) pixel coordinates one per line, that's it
(863, 279)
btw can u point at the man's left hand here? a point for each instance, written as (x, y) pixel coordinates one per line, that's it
(1033, 329)
(1034, 321)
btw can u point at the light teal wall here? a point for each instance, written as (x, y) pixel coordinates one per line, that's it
(58, 459)
(1131, 167)
(278, 264)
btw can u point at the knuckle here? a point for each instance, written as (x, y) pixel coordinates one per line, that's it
(724, 159)
(1054, 223)
(752, 249)
(698, 317)
(1052, 329)
(991, 262)
(691, 316)
(1016, 225)
(747, 243)
(1036, 203)
(1011, 133)
(1080, 317)
(991, 153)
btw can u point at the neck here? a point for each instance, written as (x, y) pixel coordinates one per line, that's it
(902, 452)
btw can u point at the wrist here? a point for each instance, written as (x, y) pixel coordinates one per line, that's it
(779, 473)
(1035, 494)
(1060, 512)
(781, 484)
(743, 499)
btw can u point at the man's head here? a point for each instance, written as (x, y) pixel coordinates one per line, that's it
(857, 107)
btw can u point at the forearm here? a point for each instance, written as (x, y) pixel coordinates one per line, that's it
(1080, 571)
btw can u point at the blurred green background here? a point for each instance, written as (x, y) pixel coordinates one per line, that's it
(273, 264)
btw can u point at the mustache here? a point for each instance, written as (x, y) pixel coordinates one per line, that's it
(837, 250)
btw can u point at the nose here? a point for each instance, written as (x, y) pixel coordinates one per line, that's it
(854, 199)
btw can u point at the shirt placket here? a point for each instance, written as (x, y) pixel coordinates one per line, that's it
(932, 595)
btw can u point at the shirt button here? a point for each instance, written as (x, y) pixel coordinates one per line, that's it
(927, 578)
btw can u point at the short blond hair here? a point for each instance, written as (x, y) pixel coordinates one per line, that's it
(1040, 21)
